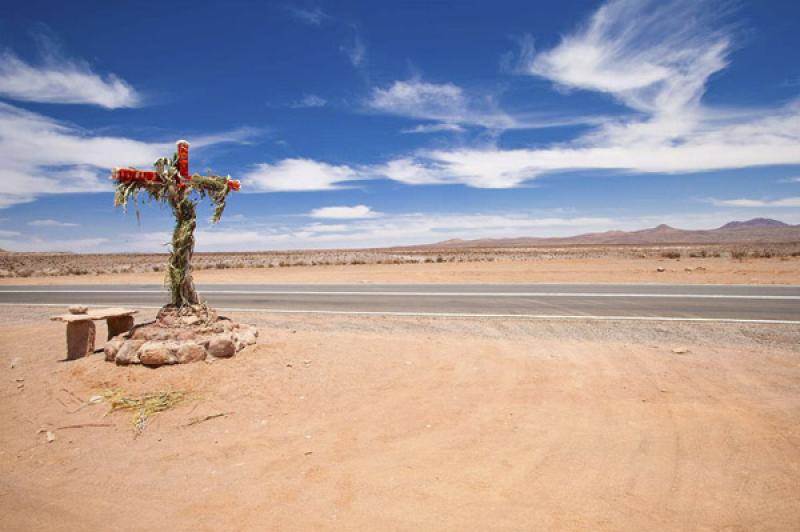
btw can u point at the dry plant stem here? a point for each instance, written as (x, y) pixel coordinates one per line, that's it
(179, 274)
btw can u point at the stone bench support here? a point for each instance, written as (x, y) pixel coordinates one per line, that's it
(81, 331)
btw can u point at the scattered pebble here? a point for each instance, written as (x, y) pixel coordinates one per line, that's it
(96, 399)
(661, 269)
(15, 362)
(680, 350)
(50, 437)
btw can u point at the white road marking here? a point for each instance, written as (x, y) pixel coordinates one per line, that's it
(419, 294)
(455, 314)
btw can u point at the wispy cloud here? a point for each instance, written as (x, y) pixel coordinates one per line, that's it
(314, 16)
(744, 202)
(344, 213)
(434, 128)
(446, 103)
(656, 58)
(298, 175)
(355, 51)
(309, 101)
(51, 223)
(44, 156)
(62, 80)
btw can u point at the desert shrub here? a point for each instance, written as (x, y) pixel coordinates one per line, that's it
(738, 254)
(698, 254)
(671, 254)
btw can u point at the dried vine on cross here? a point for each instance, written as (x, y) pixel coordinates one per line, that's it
(171, 183)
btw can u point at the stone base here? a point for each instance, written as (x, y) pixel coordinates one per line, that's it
(180, 336)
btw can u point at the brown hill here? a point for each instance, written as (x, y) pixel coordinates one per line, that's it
(757, 230)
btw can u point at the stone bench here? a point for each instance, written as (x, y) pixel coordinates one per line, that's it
(81, 329)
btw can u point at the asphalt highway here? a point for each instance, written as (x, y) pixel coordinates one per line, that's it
(568, 301)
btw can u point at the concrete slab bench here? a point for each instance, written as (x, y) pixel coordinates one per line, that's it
(81, 329)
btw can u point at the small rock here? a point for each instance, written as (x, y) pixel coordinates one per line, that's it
(128, 353)
(95, 399)
(245, 336)
(680, 350)
(112, 347)
(15, 362)
(78, 309)
(687, 269)
(222, 326)
(191, 352)
(221, 346)
(157, 354)
(50, 437)
(190, 320)
(661, 269)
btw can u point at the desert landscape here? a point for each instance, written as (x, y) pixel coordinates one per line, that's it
(337, 422)
(342, 423)
(304, 265)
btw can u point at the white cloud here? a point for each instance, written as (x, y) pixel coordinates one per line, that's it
(743, 202)
(51, 223)
(8, 234)
(443, 102)
(296, 175)
(314, 16)
(61, 80)
(656, 58)
(309, 100)
(355, 52)
(344, 213)
(434, 128)
(43, 156)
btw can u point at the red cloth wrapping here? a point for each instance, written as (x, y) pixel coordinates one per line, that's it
(127, 175)
(183, 159)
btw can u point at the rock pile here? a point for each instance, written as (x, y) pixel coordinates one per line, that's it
(180, 336)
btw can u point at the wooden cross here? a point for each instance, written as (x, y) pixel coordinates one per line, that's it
(171, 183)
(128, 175)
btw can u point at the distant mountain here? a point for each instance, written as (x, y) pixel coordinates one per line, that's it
(760, 230)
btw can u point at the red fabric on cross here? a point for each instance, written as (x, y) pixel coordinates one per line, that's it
(127, 175)
(183, 159)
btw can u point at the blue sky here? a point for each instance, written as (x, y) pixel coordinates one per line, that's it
(361, 124)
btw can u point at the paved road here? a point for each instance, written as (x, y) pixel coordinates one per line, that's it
(708, 302)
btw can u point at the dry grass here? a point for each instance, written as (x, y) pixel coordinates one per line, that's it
(24, 265)
(143, 406)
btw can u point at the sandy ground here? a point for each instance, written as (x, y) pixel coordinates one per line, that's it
(414, 424)
(583, 270)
